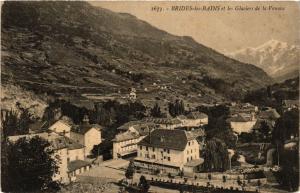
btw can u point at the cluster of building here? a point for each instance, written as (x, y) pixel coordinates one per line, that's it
(245, 117)
(163, 144)
(71, 143)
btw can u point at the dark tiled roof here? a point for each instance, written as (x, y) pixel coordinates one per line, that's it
(196, 115)
(77, 164)
(145, 128)
(168, 121)
(126, 136)
(83, 128)
(165, 138)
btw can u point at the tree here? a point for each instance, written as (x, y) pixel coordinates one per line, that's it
(288, 175)
(9, 123)
(224, 179)
(155, 111)
(286, 126)
(176, 108)
(13, 124)
(264, 132)
(130, 170)
(239, 182)
(215, 154)
(29, 165)
(24, 121)
(143, 184)
(104, 149)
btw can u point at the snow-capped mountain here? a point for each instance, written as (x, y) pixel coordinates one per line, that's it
(279, 59)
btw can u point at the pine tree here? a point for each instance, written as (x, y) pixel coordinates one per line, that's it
(130, 170)
(143, 185)
(155, 111)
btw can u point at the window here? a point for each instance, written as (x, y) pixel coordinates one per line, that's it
(191, 158)
(187, 151)
(165, 150)
(141, 147)
(168, 151)
(191, 151)
(68, 159)
(165, 157)
(146, 148)
(153, 149)
(153, 156)
(169, 159)
(187, 159)
(189, 143)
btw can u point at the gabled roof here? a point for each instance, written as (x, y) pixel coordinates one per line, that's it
(196, 115)
(165, 138)
(84, 128)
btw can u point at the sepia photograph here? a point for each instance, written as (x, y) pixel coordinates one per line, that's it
(150, 96)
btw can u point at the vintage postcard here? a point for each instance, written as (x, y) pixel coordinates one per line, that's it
(150, 96)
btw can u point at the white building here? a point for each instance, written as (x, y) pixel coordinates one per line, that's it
(87, 135)
(169, 151)
(242, 122)
(125, 143)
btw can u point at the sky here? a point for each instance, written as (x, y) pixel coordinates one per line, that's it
(225, 31)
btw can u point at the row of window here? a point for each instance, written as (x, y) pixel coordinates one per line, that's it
(190, 158)
(126, 148)
(153, 149)
(154, 157)
(195, 150)
(128, 142)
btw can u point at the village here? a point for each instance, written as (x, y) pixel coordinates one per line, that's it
(174, 152)
(149, 97)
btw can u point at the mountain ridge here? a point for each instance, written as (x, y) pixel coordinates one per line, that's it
(279, 59)
(50, 43)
